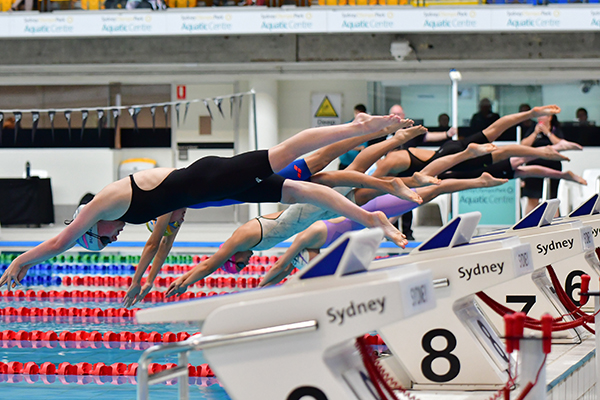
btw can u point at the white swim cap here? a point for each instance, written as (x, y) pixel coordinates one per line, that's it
(91, 239)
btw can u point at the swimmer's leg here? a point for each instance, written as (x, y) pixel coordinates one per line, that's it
(325, 155)
(393, 186)
(538, 171)
(496, 129)
(517, 150)
(371, 154)
(445, 163)
(313, 138)
(457, 185)
(327, 198)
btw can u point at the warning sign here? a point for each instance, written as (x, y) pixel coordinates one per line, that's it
(326, 109)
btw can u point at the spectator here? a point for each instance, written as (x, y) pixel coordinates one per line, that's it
(347, 158)
(546, 132)
(484, 118)
(26, 5)
(148, 4)
(444, 121)
(582, 116)
(9, 123)
(526, 125)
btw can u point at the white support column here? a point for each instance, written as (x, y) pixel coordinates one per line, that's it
(267, 125)
(455, 77)
(532, 358)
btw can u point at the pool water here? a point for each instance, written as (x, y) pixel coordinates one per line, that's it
(22, 386)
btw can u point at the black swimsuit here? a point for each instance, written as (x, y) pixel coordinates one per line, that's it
(452, 147)
(416, 164)
(501, 170)
(207, 179)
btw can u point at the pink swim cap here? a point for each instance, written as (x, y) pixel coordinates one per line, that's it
(229, 266)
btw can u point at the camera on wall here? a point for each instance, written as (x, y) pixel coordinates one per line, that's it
(400, 49)
(587, 85)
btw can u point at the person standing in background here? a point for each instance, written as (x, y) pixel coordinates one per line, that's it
(526, 125)
(546, 132)
(347, 158)
(444, 121)
(484, 117)
(582, 116)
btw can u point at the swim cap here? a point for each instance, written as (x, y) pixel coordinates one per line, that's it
(91, 239)
(171, 228)
(230, 265)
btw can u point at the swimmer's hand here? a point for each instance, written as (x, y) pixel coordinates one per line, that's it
(176, 288)
(136, 293)
(13, 276)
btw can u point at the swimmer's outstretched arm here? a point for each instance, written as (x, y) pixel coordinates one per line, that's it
(313, 237)
(439, 136)
(155, 251)
(17, 270)
(244, 238)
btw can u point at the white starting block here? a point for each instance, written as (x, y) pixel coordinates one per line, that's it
(550, 243)
(569, 271)
(296, 341)
(454, 347)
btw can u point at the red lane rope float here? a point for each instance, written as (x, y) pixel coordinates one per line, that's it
(118, 281)
(98, 369)
(97, 379)
(251, 269)
(97, 295)
(10, 338)
(52, 313)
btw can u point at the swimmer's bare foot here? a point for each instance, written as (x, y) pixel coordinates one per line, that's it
(545, 110)
(410, 133)
(478, 150)
(564, 145)
(422, 179)
(488, 180)
(570, 176)
(399, 189)
(379, 220)
(405, 123)
(374, 123)
(551, 154)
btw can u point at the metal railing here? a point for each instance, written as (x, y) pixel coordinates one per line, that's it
(197, 343)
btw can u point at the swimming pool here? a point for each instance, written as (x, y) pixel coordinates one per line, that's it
(46, 321)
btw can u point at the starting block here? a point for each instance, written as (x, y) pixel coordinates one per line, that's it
(550, 243)
(570, 271)
(297, 340)
(454, 346)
